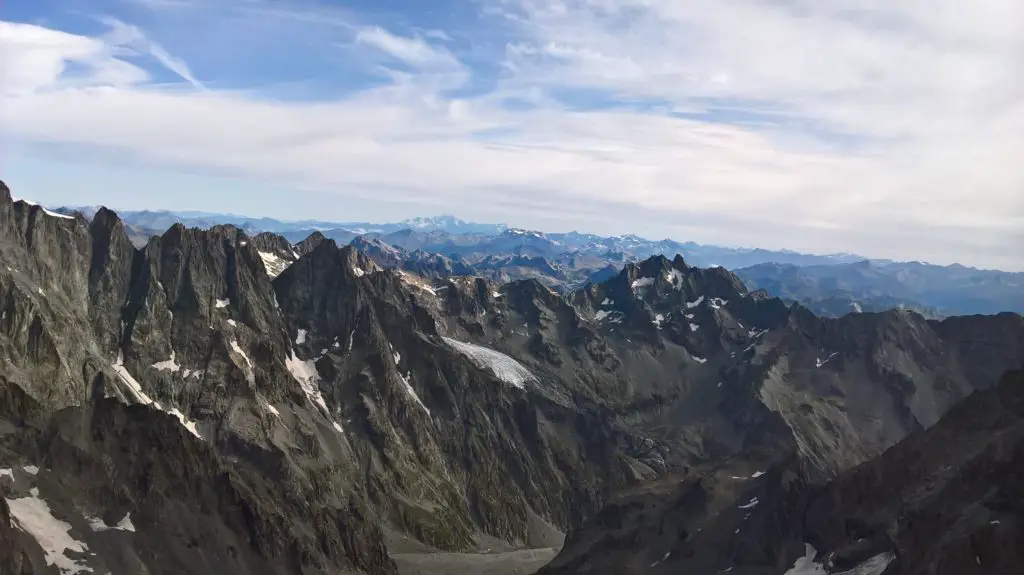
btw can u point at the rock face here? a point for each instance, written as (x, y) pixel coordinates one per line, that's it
(944, 501)
(247, 405)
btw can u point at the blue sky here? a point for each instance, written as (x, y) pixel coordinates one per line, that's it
(889, 129)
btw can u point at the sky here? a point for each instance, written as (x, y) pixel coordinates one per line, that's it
(889, 129)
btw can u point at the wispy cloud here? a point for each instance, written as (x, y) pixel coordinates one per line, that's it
(892, 129)
(126, 37)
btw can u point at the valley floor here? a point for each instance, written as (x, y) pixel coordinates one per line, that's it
(522, 562)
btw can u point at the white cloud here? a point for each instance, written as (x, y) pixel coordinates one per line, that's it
(412, 51)
(892, 129)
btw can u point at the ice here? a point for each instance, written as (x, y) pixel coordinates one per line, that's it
(751, 504)
(170, 365)
(305, 373)
(504, 367)
(122, 525)
(32, 515)
(301, 337)
(222, 303)
(695, 303)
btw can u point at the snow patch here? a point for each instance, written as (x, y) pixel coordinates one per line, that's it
(31, 469)
(694, 327)
(607, 301)
(301, 337)
(305, 373)
(751, 504)
(273, 263)
(806, 566)
(612, 316)
(271, 409)
(170, 365)
(658, 320)
(504, 367)
(32, 515)
(758, 474)
(495, 295)
(821, 363)
(699, 359)
(130, 382)
(411, 391)
(222, 303)
(123, 525)
(232, 323)
(694, 303)
(187, 423)
(641, 283)
(675, 277)
(238, 349)
(358, 271)
(662, 560)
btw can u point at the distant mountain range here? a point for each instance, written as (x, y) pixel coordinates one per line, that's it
(829, 285)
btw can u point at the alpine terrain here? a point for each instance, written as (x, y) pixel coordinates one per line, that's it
(210, 401)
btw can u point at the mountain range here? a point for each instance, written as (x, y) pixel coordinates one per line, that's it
(216, 401)
(830, 285)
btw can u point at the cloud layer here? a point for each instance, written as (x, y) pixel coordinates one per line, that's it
(887, 128)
